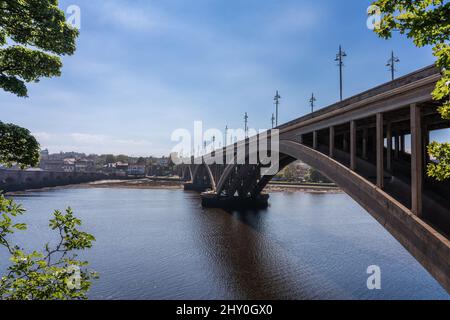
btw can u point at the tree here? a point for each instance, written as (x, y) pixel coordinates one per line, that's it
(141, 161)
(315, 176)
(33, 36)
(17, 145)
(122, 158)
(55, 273)
(290, 173)
(109, 158)
(426, 22)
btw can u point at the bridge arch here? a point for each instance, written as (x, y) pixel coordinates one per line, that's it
(411, 231)
(203, 176)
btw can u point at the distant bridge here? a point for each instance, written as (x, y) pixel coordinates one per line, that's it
(373, 146)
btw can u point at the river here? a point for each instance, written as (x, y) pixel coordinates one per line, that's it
(161, 244)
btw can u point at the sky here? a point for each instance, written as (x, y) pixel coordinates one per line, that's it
(145, 68)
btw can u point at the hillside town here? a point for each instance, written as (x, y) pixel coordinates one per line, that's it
(116, 166)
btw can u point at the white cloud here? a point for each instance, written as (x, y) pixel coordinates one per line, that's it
(294, 19)
(94, 143)
(131, 17)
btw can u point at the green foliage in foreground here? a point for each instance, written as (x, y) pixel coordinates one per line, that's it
(53, 274)
(33, 36)
(17, 145)
(427, 23)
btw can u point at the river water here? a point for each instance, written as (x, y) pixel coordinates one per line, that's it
(160, 244)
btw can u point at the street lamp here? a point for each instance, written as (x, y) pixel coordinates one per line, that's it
(391, 64)
(340, 60)
(277, 104)
(311, 101)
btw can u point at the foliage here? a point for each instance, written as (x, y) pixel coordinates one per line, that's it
(141, 161)
(17, 145)
(290, 173)
(122, 158)
(109, 158)
(55, 273)
(33, 36)
(426, 22)
(315, 176)
(440, 170)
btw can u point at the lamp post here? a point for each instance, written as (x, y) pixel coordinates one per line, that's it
(391, 64)
(246, 125)
(312, 101)
(340, 60)
(226, 135)
(277, 104)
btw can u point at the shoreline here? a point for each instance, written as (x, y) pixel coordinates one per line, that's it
(152, 184)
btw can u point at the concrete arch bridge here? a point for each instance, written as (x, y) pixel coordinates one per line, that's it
(373, 146)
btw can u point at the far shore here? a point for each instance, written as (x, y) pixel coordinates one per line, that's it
(175, 184)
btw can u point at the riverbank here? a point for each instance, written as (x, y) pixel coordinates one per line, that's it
(308, 188)
(175, 184)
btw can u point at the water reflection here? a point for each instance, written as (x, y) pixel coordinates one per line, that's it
(160, 244)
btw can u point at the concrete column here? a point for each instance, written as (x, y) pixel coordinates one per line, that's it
(331, 142)
(364, 143)
(300, 139)
(416, 160)
(380, 151)
(397, 145)
(353, 145)
(315, 140)
(389, 147)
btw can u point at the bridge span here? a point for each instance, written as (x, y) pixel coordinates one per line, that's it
(373, 146)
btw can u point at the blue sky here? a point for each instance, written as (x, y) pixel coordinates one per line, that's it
(145, 68)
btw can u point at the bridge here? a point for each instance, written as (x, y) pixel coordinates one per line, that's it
(373, 146)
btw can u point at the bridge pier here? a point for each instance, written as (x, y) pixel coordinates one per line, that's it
(212, 200)
(195, 187)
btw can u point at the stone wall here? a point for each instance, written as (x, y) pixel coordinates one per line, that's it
(12, 180)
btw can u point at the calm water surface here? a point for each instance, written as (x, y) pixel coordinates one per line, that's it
(160, 244)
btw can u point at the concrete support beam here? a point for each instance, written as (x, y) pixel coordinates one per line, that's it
(353, 145)
(332, 139)
(364, 143)
(389, 147)
(416, 160)
(300, 139)
(380, 151)
(315, 140)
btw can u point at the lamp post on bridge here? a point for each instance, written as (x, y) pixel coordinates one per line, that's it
(340, 60)
(277, 104)
(391, 64)
(226, 135)
(312, 101)
(246, 125)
